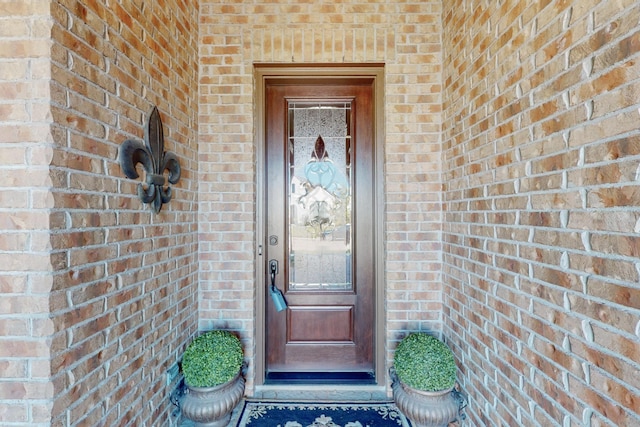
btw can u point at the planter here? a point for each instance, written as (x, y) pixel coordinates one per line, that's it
(212, 406)
(426, 408)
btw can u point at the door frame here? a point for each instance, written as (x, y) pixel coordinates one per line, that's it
(343, 73)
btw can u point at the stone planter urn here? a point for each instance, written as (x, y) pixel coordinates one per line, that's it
(212, 406)
(424, 376)
(212, 368)
(426, 408)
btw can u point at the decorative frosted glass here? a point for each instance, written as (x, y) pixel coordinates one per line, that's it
(320, 196)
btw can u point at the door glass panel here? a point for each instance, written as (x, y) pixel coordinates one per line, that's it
(319, 196)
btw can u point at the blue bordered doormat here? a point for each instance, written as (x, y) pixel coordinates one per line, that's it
(314, 414)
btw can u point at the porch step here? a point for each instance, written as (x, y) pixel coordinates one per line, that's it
(322, 392)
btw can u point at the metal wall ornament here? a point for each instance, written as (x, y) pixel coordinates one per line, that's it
(154, 159)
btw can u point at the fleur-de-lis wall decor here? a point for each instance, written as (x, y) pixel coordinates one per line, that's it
(155, 161)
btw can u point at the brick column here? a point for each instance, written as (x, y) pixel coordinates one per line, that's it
(26, 390)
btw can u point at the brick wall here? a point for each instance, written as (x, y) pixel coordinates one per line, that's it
(102, 293)
(26, 391)
(542, 187)
(124, 289)
(403, 35)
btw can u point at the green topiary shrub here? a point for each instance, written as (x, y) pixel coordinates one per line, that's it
(424, 362)
(212, 359)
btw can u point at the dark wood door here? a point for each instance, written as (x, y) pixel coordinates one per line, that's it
(320, 231)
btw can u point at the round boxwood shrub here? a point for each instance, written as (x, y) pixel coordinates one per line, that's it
(424, 362)
(211, 359)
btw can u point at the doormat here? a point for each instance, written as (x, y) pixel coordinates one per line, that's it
(313, 414)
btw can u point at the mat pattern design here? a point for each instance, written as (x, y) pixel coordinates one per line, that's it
(313, 414)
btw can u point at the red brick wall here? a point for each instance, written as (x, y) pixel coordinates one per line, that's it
(542, 187)
(124, 298)
(26, 391)
(99, 294)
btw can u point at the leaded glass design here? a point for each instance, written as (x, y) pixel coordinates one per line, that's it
(320, 196)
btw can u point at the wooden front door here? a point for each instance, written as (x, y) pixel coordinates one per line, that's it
(320, 232)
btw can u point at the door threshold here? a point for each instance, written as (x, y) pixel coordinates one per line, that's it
(318, 378)
(322, 392)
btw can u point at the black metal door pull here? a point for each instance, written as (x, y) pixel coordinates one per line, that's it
(276, 294)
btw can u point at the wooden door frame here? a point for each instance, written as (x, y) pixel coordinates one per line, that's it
(343, 73)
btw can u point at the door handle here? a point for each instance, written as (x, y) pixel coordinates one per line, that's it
(276, 294)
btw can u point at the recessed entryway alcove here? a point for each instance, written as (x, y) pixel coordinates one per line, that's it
(511, 208)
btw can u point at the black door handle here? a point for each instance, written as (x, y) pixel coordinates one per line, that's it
(276, 295)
